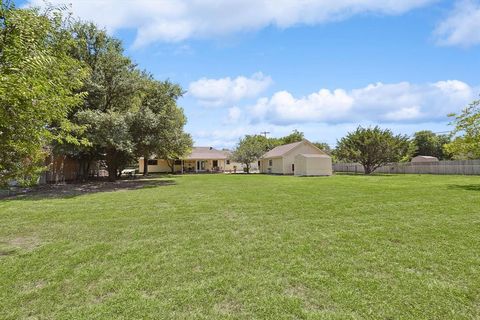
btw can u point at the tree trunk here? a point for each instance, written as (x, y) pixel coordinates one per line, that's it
(367, 169)
(87, 169)
(145, 165)
(171, 165)
(248, 168)
(111, 165)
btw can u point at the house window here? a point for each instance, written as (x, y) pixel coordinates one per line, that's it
(228, 161)
(178, 162)
(270, 162)
(293, 167)
(152, 162)
(215, 163)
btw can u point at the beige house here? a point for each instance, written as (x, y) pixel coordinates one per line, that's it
(200, 159)
(286, 159)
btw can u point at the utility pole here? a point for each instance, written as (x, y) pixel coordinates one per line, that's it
(264, 133)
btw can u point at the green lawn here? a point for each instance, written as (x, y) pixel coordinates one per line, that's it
(238, 246)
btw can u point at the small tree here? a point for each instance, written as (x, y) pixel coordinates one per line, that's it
(250, 149)
(372, 148)
(466, 144)
(177, 147)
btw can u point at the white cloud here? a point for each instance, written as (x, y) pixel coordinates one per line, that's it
(462, 26)
(234, 115)
(399, 102)
(284, 108)
(177, 20)
(219, 92)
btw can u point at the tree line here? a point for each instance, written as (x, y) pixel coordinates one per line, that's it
(68, 88)
(376, 147)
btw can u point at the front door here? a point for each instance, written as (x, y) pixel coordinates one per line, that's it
(200, 165)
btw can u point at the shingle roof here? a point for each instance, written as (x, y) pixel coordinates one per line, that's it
(313, 155)
(281, 150)
(205, 153)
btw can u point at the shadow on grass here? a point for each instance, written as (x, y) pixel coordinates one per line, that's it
(469, 187)
(71, 190)
(361, 174)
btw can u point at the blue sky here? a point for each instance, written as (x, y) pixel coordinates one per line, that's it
(319, 66)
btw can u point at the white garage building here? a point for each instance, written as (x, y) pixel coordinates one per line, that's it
(284, 160)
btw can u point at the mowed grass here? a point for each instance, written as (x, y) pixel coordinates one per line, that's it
(238, 246)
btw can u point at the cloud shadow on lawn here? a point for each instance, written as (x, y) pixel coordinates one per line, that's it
(469, 187)
(70, 190)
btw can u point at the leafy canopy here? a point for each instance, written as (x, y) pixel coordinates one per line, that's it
(250, 149)
(427, 143)
(39, 84)
(466, 144)
(372, 147)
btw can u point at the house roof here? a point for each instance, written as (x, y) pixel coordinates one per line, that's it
(313, 155)
(281, 150)
(424, 159)
(205, 153)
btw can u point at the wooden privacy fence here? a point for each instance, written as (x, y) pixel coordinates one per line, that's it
(462, 167)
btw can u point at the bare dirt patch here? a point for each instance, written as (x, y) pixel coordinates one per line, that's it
(228, 307)
(23, 244)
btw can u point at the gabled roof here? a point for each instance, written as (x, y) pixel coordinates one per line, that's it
(313, 155)
(280, 151)
(205, 153)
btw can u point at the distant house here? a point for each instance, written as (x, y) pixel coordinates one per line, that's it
(200, 159)
(424, 159)
(299, 158)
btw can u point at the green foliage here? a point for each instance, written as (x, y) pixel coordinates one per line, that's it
(295, 136)
(157, 128)
(114, 82)
(118, 92)
(250, 149)
(39, 84)
(163, 133)
(109, 135)
(372, 147)
(466, 142)
(427, 143)
(323, 146)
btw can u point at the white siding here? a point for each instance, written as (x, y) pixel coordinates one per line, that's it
(289, 158)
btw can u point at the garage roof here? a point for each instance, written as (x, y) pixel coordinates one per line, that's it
(281, 150)
(312, 155)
